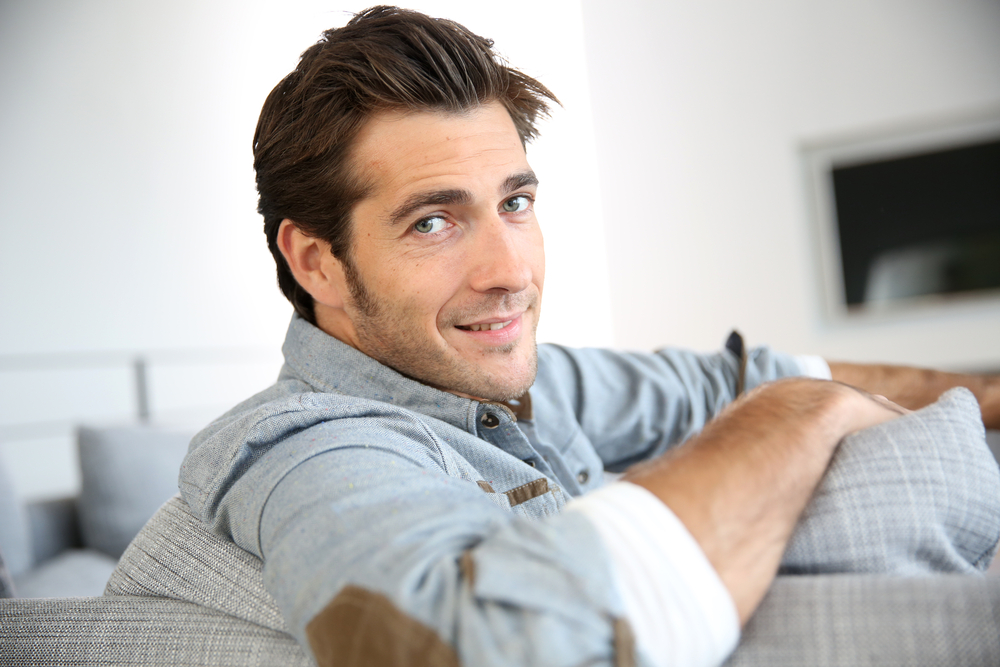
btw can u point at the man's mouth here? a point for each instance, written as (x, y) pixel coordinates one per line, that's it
(489, 326)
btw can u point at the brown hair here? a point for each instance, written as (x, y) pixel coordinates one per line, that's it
(385, 58)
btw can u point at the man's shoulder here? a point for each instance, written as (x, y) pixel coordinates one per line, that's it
(295, 421)
(291, 404)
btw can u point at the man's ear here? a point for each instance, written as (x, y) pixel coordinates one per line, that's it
(313, 265)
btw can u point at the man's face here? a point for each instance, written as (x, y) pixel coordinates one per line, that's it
(446, 254)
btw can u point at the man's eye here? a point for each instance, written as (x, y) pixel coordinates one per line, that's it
(430, 225)
(516, 204)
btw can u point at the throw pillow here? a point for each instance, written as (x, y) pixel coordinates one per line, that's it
(916, 495)
(127, 472)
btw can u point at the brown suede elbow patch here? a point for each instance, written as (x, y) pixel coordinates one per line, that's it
(361, 627)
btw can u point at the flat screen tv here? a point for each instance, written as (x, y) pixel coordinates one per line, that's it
(908, 218)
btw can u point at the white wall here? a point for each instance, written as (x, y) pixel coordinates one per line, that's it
(126, 171)
(130, 225)
(701, 108)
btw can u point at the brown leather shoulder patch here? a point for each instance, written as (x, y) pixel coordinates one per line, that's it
(526, 492)
(361, 627)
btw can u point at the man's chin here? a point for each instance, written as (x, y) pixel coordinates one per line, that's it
(505, 394)
(491, 381)
(508, 384)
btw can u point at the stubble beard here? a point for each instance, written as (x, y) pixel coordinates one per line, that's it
(381, 333)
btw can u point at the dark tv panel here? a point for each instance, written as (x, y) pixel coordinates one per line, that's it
(919, 225)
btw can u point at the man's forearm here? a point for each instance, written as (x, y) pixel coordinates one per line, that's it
(740, 486)
(914, 388)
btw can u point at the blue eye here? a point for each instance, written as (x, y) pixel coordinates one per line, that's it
(516, 204)
(430, 225)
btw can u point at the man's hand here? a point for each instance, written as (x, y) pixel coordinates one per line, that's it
(916, 387)
(740, 485)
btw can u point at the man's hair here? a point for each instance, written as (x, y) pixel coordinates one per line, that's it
(384, 59)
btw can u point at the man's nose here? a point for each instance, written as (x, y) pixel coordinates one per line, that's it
(501, 258)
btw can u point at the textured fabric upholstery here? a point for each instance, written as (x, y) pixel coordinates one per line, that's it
(179, 596)
(915, 495)
(86, 632)
(220, 614)
(874, 621)
(176, 556)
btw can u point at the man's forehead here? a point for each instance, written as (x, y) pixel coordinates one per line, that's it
(411, 150)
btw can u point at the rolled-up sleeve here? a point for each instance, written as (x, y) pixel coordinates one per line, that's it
(680, 610)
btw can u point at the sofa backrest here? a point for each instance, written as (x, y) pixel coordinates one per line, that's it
(176, 556)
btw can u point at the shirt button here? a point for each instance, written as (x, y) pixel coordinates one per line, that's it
(489, 420)
(583, 477)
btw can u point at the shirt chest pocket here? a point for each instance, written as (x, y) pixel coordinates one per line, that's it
(534, 499)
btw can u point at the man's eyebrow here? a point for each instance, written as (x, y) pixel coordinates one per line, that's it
(518, 181)
(419, 200)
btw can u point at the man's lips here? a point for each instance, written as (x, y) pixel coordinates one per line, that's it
(486, 325)
(496, 330)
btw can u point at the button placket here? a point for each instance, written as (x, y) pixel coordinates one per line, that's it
(508, 438)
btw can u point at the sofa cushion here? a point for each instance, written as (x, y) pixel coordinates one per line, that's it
(127, 472)
(15, 540)
(55, 527)
(6, 583)
(73, 573)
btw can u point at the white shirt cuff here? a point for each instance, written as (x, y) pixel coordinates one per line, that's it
(679, 609)
(814, 367)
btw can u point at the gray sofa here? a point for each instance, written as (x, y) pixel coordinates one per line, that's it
(182, 595)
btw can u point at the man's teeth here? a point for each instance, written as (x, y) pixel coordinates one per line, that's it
(489, 327)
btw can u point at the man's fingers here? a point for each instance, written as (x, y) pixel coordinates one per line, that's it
(873, 409)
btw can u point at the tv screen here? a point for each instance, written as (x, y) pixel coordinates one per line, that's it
(908, 217)
(919, 225)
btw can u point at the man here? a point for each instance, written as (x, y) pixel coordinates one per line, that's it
(424, 485)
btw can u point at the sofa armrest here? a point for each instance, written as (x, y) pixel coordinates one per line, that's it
(874, 620)
(136, 631)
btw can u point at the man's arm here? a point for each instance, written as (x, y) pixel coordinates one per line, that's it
(914, 388)
(740, 485)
